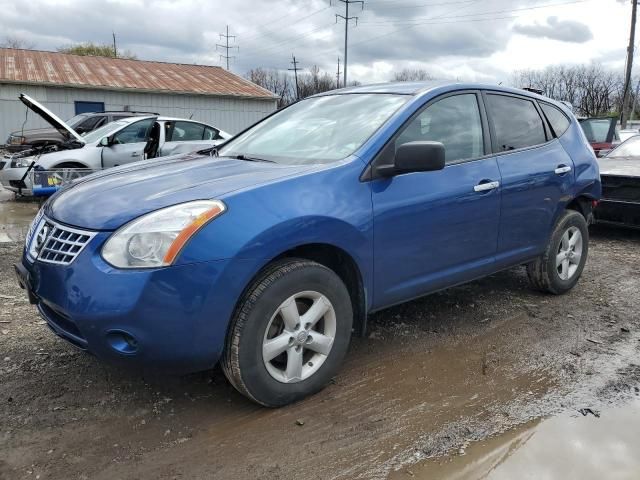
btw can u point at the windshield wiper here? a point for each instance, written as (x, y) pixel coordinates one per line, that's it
(250, 159)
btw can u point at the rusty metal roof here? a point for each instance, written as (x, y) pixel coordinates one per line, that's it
(61, 69)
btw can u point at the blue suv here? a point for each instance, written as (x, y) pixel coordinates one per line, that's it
(267, 252)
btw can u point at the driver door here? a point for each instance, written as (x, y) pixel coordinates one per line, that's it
(127, 144)
(436, 229)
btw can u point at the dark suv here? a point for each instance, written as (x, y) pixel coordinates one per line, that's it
(81, 123)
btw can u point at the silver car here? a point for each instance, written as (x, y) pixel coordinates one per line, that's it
(117, 143)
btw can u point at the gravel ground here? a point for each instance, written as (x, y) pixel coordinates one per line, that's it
(432, 376)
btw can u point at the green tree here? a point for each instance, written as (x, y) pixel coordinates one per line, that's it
(96, 50)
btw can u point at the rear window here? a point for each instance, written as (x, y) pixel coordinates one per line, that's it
(558, 120)
(516, 122)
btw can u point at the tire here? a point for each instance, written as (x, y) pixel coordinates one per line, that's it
(559, 268)
(67, 172)
(271, 355)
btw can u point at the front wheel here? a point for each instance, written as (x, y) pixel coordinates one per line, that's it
(559, 268)
(290, 333)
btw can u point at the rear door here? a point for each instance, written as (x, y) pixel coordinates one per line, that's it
(184, 136)
(128, 144)
(436, 229)
(537, 175)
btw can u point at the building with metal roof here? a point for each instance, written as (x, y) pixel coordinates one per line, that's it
(71, 84)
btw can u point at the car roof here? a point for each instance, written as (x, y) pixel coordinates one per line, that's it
(420, 88)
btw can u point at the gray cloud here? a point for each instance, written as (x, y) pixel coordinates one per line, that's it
(563, 30)
(398, 32)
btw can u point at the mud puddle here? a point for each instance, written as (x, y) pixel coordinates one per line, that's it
(433, 376)
(589, 445)
(15, 216)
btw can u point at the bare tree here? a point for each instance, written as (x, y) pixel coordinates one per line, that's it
(412, 75)
(282, 83)
(276, 82)
(17, 43)
(591, 89)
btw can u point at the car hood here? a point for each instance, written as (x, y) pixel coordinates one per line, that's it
(65, 130)
(109, 199)
(620, 166)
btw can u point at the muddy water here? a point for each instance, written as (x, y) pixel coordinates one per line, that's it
(15, 216)
(567, 446)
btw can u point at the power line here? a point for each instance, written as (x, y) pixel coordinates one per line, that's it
(226, 46)
(295, 69)
(346, 19)
(442, 17)
(258, 35)
(418, 20)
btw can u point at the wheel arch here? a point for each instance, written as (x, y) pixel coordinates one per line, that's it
(342, 264)
(69, 164)
(334, 258)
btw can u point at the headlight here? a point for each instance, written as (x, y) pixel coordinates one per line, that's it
(16, 140)
(156, 239)
(21, 162)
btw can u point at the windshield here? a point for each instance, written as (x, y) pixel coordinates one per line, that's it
(104, 131)
(628, 148)
(73, 121)
(316, 130)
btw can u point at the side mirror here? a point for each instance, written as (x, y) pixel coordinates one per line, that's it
(106, 142)
(415, 157)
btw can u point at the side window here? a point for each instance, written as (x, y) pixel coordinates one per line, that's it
(186, 131)
(211, 134)
(134, 133)
(91, 123)
(516, 121)
(558, 120)
(454, 121)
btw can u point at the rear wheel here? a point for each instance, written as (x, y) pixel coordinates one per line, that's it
(290, 333)
(559, 268)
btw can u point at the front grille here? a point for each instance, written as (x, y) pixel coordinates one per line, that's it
(59, 244)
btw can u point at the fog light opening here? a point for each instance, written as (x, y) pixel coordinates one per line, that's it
(122, 342)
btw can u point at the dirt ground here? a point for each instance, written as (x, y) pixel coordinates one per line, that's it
(434, 379)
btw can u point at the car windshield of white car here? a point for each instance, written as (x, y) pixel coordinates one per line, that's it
(316, 130)
(629, 148)
(104, 131)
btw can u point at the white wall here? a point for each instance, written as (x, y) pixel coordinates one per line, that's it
(229, 114)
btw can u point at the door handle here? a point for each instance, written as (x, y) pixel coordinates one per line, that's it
(483, 187)
(562, 169)
(135, 154)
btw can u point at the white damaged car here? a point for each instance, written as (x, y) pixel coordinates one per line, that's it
(117, 143)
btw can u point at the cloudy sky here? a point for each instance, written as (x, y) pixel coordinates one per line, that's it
(479, 40)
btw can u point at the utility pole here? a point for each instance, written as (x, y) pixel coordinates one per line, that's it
(226, 46)
(115, 50)
(346, 19)
(627, 77)
(338, 75)
(295, 73)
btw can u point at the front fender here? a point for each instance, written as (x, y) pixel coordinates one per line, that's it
(328, 207)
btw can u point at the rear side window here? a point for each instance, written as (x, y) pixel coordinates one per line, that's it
(516, 122)
(558, 120)
(455, 122)
(186, 132)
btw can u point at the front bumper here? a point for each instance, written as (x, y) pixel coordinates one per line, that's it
(618, 212)
(12, 179)
(176, 317)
